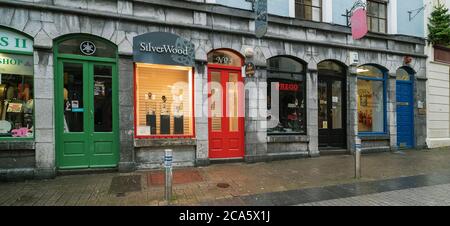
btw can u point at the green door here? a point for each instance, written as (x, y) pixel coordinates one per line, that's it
(86, 114)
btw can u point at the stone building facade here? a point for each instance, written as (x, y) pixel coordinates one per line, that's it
(208, 27)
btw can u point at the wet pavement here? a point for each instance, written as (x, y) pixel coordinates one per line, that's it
(289, 182)
(316, 195)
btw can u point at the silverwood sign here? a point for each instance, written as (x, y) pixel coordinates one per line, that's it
(163, 48)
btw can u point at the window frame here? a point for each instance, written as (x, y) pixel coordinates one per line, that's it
(165, 136)
(377, 17)
(384, 81)
(304, 92)
(23, 53)
(302, 5)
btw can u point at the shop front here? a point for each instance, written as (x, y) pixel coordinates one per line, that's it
(226, 105)
(163, 97)
(83, 90)
(332, 98)
(17, 99)
(86, 102)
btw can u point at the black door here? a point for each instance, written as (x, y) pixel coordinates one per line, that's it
(332, 111)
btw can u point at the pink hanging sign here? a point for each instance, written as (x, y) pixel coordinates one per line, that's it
(359, 23)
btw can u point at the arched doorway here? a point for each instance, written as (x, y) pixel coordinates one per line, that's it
(225, 104)
(86, 102)
(405, 107)
(332, 105)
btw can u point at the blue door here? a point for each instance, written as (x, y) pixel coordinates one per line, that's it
(405, 110)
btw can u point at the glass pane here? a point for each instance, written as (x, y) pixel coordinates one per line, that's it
(382, 11)
(73, 97)
(370, 106)
(383, 26)
(369, 71)
(285, 64)
(336, 108)
(16, 104)
(224, 57)
(102, 98)
(89, 46)
(299, 11)
(317, 14)
(375, 27)
(308, 13)
(316, 3)
(373, 8)
(403, 75)
(323, 109)
(164, 100)
(330, 66)
(216, 101)
(233, 103)
(287, 112)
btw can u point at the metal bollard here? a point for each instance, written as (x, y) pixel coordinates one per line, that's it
(358, 158)
(168, 167)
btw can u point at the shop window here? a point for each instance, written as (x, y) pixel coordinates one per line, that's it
(286, 76)
(377, 15)
(308, 10)
(371, 99)
(164, 101)
(16, 86)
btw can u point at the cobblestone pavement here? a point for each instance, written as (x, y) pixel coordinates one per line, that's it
(238, 182)
(438, 195)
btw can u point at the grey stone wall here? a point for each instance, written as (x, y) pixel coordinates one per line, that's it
(256, 147)
(149, 153)
(201, 110)
(126, 113)
(44, 113)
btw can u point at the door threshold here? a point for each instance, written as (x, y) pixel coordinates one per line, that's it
(333, 151)
(226, 160)
(68, 172)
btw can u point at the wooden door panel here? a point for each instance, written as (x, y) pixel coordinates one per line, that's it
(227, 139)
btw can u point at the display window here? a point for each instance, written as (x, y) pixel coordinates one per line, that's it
(16, 86)
(286, 96)
(371, 100)
(164, 101)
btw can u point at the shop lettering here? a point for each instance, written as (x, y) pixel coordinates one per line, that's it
(147, 47)
(288, 87)
(11, 61)
(19, 43)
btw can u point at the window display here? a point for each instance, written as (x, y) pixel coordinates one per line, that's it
(164, 100)
(286, 77)
(371, 110)
(16, 96)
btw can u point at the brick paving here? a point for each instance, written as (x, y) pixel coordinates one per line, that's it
(244, 180)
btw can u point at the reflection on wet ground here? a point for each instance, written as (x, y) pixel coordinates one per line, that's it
(308, 195)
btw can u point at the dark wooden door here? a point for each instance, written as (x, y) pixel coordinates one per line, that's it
(332, 112)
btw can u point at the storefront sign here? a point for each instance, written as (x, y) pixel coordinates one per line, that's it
(163, 48)
(249, 70)
(261, 18)
(14, 42)
(288, 87)
(359, 23)
(16, 64)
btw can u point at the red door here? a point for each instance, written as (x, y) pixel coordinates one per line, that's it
(226, 113)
